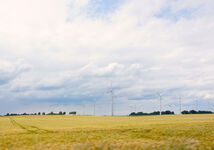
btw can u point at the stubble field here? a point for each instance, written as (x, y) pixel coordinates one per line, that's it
(97, 133)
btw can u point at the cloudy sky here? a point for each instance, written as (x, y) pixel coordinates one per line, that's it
(63, 55)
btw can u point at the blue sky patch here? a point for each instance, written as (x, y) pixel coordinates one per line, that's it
(102, 7)
(167, 13)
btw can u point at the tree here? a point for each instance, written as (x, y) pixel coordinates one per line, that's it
(193, 112)
(73, 113)
(60, 113)
(43, 113)
(133, 114)
(185, 112)
(168, 112)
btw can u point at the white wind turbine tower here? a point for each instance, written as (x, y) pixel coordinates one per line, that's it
(208, 103)
(83, 109)
(94, 106)
(197, 104)
(112, 100)
(133, 108)
(140, 108)
(180, 105)
(130, 107)
(160, 100)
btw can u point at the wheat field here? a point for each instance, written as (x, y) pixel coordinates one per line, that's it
(98, 132)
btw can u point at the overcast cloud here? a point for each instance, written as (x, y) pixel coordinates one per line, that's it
(61, 54)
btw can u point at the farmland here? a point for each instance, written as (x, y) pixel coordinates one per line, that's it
(99, 132)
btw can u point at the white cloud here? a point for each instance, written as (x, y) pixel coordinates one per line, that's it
(51, 48)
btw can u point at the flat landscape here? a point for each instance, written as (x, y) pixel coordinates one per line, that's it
(97, 132)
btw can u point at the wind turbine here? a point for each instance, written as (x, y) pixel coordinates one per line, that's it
(54, 107)
(208, 103)
(83, 109)
(141, 107)
(131, 108)
(160, 100)
(94, 106)
(135, 108)
(170, 106)
(197, 104)
(112, 100)
(180, 104)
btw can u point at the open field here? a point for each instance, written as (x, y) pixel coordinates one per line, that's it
(89, 132)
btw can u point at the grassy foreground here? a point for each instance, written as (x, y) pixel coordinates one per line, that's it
(96, 133)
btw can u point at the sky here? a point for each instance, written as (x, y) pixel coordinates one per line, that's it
(64, 54)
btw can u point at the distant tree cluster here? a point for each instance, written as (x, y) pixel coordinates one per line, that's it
(196, 112)
(153, 113)
(15, 114)
(39, 113)
(60, 113)
(73, 113)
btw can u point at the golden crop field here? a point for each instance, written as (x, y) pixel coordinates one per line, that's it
(97, 133)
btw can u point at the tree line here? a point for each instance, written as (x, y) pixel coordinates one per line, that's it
(43, 113)
(196, 112)
(168, 112)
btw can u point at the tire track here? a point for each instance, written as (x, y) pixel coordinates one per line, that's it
(30, 129)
